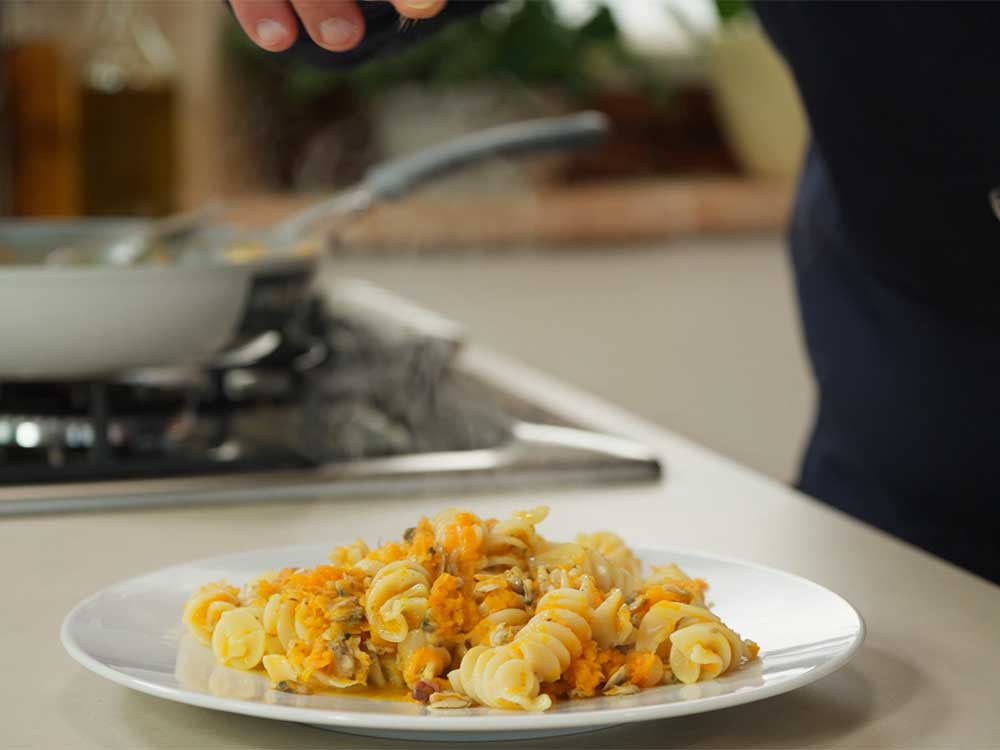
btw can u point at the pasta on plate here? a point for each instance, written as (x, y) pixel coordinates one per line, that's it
(464, 611)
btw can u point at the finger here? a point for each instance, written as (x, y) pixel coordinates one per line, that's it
(418, 8)
(336, 25)
(270, 24)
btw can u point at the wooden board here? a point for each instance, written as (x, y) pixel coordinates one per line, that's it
(572, 216)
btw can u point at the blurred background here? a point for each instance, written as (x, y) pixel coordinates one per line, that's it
(650, 271)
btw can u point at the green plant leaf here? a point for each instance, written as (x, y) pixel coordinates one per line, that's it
(729, 9)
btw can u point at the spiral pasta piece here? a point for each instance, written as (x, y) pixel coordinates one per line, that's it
(279, 669)
(578, 561)
(672, 578)
(461, 536)
(613, 548)
(559, 628)
(498, 627)
(349, 555)
(662, 619)
(348, 664)
(278, 619)
(510, 676)
(511, 542)
(496, 677)
(356, 555)
(612, 623)
(419, 659)
(238, 638)
(203, 610)
(396, 601)
(704, 651)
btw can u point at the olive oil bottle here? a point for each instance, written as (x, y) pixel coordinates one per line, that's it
(128, 103)
(39, 115)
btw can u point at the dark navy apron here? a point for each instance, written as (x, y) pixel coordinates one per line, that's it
(896, 256)
(907, 430)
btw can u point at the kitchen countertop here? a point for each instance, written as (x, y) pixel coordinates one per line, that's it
(926, 677)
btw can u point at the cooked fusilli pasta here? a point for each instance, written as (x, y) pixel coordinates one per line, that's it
(613, 548)
(464, 611)
(396, 601)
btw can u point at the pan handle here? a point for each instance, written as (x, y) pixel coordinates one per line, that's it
(392, 179)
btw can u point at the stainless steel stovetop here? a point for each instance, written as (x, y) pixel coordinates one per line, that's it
(369, 396)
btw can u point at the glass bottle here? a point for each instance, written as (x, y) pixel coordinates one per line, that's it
(128, 99)
(40, 113)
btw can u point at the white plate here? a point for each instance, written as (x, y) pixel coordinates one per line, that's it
(131, 633)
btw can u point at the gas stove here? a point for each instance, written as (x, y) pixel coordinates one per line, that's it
(364, 393)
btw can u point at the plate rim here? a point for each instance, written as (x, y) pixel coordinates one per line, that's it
(493, 722)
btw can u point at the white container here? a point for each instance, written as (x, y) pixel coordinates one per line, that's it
(756, 100)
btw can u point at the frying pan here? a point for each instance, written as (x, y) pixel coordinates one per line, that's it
(74, 323)
(96, 321)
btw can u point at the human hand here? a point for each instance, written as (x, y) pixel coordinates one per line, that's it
(336, 25)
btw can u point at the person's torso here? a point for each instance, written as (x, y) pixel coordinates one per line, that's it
(903, 103)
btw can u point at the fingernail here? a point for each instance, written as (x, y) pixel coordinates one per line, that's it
(337, 31)
(420, 4)
(270, 32)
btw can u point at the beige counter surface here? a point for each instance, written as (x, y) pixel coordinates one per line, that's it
(927, 677)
